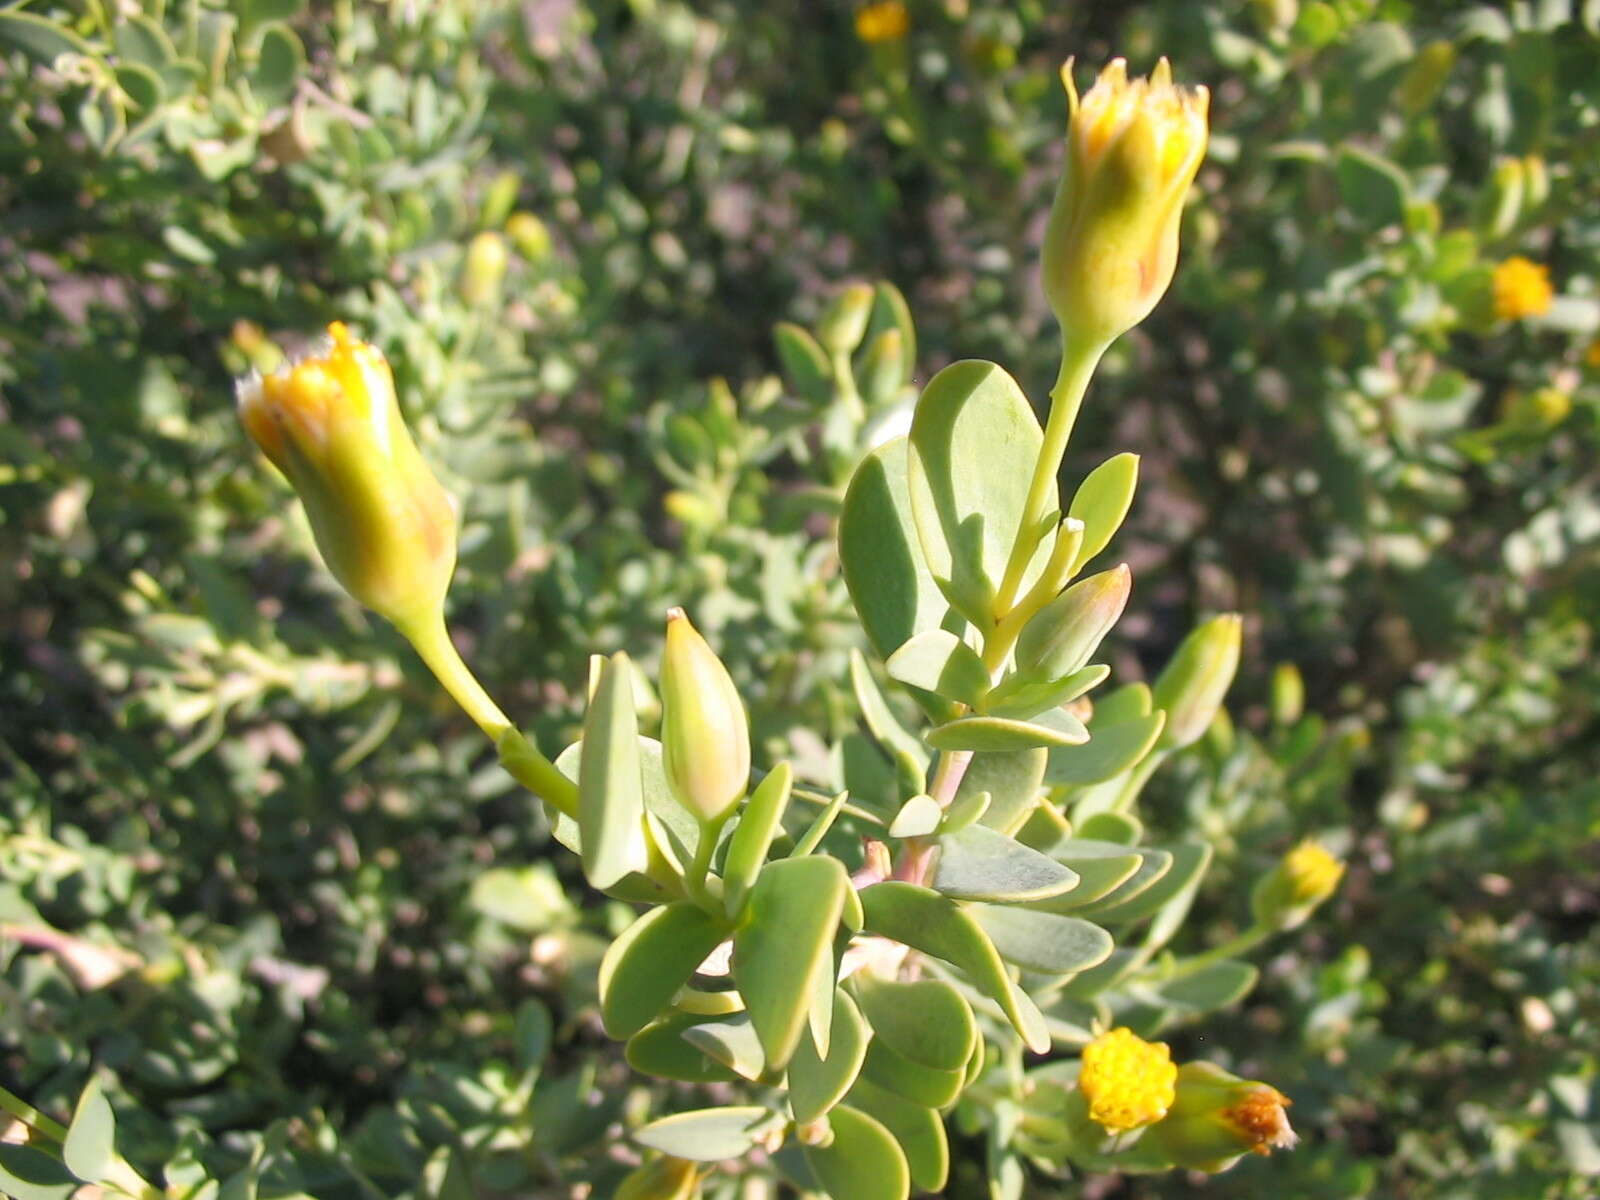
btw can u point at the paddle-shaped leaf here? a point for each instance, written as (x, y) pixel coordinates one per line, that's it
(732, 1042)
(1211, 987)
(1043, 942)
(920, 1084)
(1110, 750)
(980, 863)
(1102, 501)
(610, 786)
(889, 582)
(862, 1162)
(1051, 728)
(819, 1081)
(937, 925)
(655, 956)
(940, 662)
(916, 1127)
(708, 1134)
(759, 823)
(783, 941)
(659, 1049)
(1012, 780)
(924, 1020)
(974, 441)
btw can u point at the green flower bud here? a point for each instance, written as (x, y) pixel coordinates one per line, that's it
(1216, 1118)
(1292, 890)
(845, 323)
(1195, 681)
(664, 1179)
(384, 525)
(1064, 634)
(1501, 202)
(1288, 694)
(529, 235)
(1112, 242)
(705, 735)
(484, 269)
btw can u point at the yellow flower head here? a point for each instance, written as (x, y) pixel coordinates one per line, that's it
(1133, 148)
(1313, 873)
(1521, 289)
(1127, 1081)
(384, 525)
(884, 21)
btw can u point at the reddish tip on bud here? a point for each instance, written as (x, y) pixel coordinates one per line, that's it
(1216, 1118)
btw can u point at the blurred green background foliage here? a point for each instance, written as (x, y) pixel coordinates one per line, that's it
(261, 879)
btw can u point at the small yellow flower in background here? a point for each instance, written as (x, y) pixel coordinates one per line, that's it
(1521, 289)
(384, 525)
(1127, 1081)
(1292, 890)
(1133, 149)
(1217, 1118)
(885, 21)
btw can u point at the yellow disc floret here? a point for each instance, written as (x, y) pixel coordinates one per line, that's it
(1521, 289)
(1127, 1081)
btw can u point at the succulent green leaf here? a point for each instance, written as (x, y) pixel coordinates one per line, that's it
(1052, 728)
(655, 956)
(882, 372)
(661, 1050)
(920, 1084)
(804, 362)
(1189, 863)
(731, 1042)
(1211, 987)
(672, 830)
(1153, 864)
(1011, 778)
(818, 1080)
(1127, 702)
(90, 1146)
(973, 444)
(918, 817)
(916, 1127)
(980, 863)
(783, 941)
(759, 823)
(708, 1134)
(41, 39)
(1110, 750)
(890, 584)
(1024, 697)
(862, 1162)
(965, 810)
(1101, 866)
(925, 1021)
(610, 784)
(1043, 942)
(937, 925)
(1102, 501)
(280, 62)
(26, 1172)
(1121, 827)
(939, 662)
(141, 85)
(891, 312)
(880, 719)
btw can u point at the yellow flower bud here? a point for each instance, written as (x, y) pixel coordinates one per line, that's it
(1521, 289)
(484, 268)
(1112, 243)
(1293, 889)
(384, 525)
(1216, 1118)
(530, 236)
(1126, 1081)
(705, 735)
(884, 21)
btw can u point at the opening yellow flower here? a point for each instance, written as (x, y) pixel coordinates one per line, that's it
(1521, 289)
(1127, 1081)
(885, 21)
(1313, 873)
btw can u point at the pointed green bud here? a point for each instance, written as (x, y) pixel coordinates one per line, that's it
(529, 235)
(705, 735)
(1288, 694)
(845, 322)
(1216, 1118)
(1063, 634)
(1195, 681)
(882, 372)
(484, 268)
(1305, 877)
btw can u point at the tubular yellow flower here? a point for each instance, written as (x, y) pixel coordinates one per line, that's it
(1521, 289)
(384, 525)
(1127, 1081)
(1133, 149)
(885, 21)
(1217, 1117)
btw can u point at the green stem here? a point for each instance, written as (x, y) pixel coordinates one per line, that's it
(1239, 944)
(520, 757)
(700, 865)
(1077, 366)
(32, 1117)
